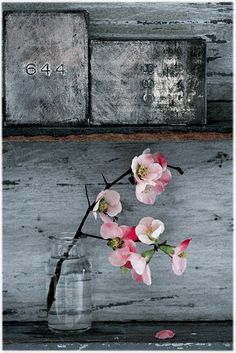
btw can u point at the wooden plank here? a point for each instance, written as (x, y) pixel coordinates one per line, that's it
(209, 20)
(148, 82)
(219, 111)
(44, 194)
(219, 129)
(46, 68)
(191, 336)
(147, 135)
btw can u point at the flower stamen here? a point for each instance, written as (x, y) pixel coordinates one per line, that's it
(115, 243)
(103, 206)
(142, 171)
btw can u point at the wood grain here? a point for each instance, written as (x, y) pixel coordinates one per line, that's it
(34, 43)
(43, 194)
(143, 136)
(209, 20)
(128, 336)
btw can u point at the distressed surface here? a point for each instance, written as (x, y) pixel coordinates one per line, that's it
(148, 82)
(44, 193)
(211, 21)
(121, 336)
(33, 94)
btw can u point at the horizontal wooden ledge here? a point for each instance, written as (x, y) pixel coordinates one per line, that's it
(120, 335)
(160, 136)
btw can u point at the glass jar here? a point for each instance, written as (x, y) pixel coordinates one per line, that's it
(72, 308)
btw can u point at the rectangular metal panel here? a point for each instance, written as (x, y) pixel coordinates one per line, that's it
(148, 82)
(46, 68)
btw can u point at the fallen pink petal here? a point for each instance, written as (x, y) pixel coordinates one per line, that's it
(164, 334)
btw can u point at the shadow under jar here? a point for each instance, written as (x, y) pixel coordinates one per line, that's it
(71, 311)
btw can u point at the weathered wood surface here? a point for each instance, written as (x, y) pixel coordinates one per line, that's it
(46, 68)
(146, 136)
(44, 194)
(148, 82)
(41, 133)
(209, 20)
(120, 336)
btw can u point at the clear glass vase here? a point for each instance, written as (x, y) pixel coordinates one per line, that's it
(71, 310)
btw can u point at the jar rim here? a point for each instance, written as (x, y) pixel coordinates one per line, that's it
(65, 237)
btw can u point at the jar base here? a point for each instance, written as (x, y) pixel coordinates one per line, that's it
(69, 331)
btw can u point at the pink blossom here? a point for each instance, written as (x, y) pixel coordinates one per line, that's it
(179, 261)
(129, 232)
(147, 193)
(107, 205)
(164, 334)
(151, 176)
(149, 230)
(122, 246)
(140, 268)
(144, 168)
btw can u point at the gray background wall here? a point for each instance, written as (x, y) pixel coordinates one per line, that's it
(43, 182)
(211, 21)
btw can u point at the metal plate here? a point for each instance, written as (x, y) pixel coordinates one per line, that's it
(46, 68)
(148, 82)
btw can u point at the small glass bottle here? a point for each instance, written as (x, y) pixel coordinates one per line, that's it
(72, 308)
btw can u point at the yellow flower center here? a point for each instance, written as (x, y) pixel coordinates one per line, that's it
(142, 171)
(103, 206)
(115, 243)
(149, 231)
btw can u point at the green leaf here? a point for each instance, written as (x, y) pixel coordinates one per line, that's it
(167, 249)
(148, 254)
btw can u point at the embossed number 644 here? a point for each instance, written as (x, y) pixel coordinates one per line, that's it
(31, 69)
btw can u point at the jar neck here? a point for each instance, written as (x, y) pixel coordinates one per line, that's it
(65, 247)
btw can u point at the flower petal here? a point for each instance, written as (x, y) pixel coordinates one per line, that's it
(116, 259)
(147, 150)
(138, 278)
(155, 172)
(160, 158)
(110, 230)
(179, 265)
(112, 197)
(145, 239)
(145, 160)
(182, 246)
(114, 210)
(146, 197)
(166, 177)
(138, 262)
(129, 233)
(159, 187)
(147, 279)
(105, 218)
(164, 334)
(146, 221)
(100, 195)
(159, 228)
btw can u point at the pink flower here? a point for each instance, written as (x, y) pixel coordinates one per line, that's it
(129, 232)
(122, 246)
(107, 205)
(164, 334)
(144, 168)
(151, 176)
(166, 174)
(147, 193)
(140, 268)
(179, 261)
(149, 230)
